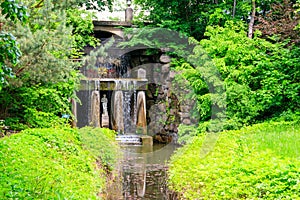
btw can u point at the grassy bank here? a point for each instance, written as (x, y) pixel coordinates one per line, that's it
(257, 162)
(54, 164)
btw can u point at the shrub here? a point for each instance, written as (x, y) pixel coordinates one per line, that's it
(258, 162)
(47, 164)
(101, 142)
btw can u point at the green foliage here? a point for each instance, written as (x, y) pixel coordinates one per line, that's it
(186, 133)
(12, 10)
(102, 143)
(48, 164)
(9, 49)
(258, 162)
(81, 22)
(261, 78)
(191, 17)
(37, 106)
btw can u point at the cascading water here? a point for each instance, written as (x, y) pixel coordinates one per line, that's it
(122, 69)
(118, 112)
(134, 103)
(127, 109)
(141, 112)
(95, 109)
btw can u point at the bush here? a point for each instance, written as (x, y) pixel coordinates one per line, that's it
(48, 164)
(258, 162)
(102, 143)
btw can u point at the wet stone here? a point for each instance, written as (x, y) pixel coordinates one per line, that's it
(165, 59)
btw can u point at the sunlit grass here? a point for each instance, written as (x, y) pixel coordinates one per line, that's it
(283, 139)
(257, 162)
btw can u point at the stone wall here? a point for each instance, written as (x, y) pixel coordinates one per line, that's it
(165, 99)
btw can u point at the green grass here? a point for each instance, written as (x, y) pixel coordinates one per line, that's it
(51, 164)
(257, 162)
(282, 138)
(102, 144)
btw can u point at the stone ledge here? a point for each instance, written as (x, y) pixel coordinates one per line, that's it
(112, 23)
(147, 140)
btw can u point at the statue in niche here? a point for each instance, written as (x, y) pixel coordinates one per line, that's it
(105, 118)
(104, 104)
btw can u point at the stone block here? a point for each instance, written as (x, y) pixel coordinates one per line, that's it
(184, 114)
(141, 73)
(186, 121)
(105, 121)
(184, 108)
(173, 111)
(147, 140)
(172, 74)
(162, 107)
(165, 59)
(165, 68)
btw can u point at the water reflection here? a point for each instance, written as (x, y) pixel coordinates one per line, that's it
(144, 173)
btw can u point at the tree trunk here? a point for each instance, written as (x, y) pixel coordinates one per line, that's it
(251, 23)
(234, 8)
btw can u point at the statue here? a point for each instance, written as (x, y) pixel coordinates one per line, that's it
(104, 118)
(104, 104)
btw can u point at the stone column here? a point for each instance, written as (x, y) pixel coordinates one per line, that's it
(128, 12)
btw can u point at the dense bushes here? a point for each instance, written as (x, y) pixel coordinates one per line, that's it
(38, 106)
(261, 77)
(49, 164)
(101, 145)
(258, 162)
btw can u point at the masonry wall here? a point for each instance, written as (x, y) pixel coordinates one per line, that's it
(166, 105)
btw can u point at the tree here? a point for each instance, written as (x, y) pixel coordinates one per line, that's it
(281, 21)
(251, 23)
(9, 50)
(46, 75)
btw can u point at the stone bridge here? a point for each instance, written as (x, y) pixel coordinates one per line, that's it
(106, 29)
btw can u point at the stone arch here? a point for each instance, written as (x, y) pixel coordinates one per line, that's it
(112, 27)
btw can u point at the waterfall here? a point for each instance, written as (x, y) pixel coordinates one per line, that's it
(122, 70)
(127, 110)
(118, 112)
(141, 186)
(95, 109)
(141, 112)
(134, 103)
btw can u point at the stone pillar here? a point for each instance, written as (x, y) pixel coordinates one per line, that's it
(128, 12)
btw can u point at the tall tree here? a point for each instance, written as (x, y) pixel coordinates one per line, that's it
(10, 11)
(252, 18)
(45, 76)
(281, 21)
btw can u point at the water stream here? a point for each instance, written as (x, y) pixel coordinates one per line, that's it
(143, 173)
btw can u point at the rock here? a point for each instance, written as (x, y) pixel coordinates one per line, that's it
(162, 107)
(149, 94)
(176, 129)
(173, 111)
(186, 121)
(165, 68)
(161, 138)
(171, 127)
(172, 74)
(184, 115)
(165, 49)
(141, 73)
(184, 108)
(165, 59)
(158, 138)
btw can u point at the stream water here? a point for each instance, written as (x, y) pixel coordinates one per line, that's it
(143, 173)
